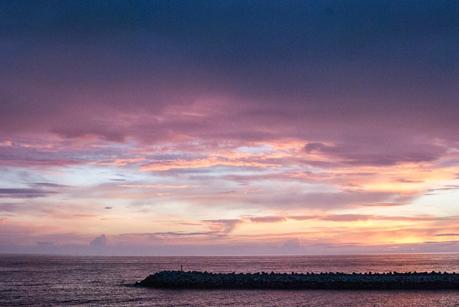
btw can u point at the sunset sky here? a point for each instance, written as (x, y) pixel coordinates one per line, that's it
(229, 127)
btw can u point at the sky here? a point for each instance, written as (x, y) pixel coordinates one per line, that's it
(229, 127)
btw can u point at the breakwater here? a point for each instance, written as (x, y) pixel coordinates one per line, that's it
(331, 281)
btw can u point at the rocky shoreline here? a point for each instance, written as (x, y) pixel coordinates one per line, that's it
(331, 281)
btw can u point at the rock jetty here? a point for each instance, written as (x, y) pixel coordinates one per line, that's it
(331, 281)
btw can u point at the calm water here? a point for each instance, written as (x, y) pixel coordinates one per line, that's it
(52, 280)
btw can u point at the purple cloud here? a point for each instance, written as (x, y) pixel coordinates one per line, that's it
(99, 242)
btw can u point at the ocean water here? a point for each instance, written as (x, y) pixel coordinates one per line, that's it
(107, 281)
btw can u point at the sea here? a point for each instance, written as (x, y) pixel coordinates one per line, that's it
(27, 280)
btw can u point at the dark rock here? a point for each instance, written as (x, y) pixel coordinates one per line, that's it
(332, 281)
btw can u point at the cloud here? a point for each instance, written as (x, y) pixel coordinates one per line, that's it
(447, 234)
(267, 219)
(293, 246)
(448, 187)
(240, 109)
(384, 205)
(222, 226)
(158, 79)
(427, 231)
(19, 208)
(49, 185)
(378, 152)
(318, 200)
(23, 193)
(99, 242)
(355, 218)
(217, 229)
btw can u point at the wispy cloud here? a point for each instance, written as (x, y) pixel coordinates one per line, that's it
(23, 192)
